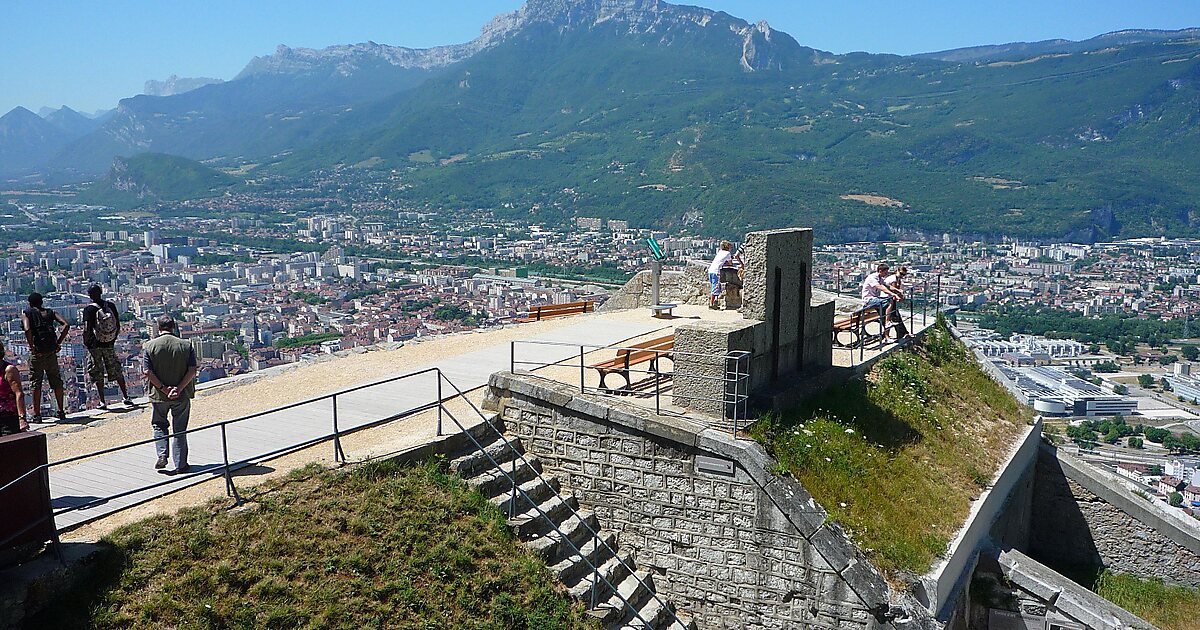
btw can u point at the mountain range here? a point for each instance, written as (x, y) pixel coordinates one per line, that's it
(669, 115)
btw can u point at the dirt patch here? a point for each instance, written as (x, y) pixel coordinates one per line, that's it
(876, 200)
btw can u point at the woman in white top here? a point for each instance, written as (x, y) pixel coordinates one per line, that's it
(724, 255)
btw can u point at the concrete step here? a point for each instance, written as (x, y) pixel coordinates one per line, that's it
(475, 462)
(635, 589)
(578, 527)
(533, 521)
(597, 550)
(653, 615)
(617, 568)
(494, 482)
(538, 489)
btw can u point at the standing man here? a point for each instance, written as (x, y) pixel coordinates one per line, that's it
(101, 325)
(12, 399)
(38, 323)
(170, 369)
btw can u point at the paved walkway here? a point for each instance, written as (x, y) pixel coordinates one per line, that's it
(132, 468)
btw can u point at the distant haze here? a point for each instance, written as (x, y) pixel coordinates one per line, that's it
(89, 56)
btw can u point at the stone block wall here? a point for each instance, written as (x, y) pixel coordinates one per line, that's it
(698, 381)
(1083, 520)
(689, 286)
(740, 548)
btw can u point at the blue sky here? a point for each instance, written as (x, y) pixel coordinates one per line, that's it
(88, 54)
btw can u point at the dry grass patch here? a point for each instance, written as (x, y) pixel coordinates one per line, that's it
(382, 546)
(898, 458)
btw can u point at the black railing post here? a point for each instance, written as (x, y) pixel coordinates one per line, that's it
(338, 455)
(924, 302)
(439, 401)
(581, 370)
(512, 356)
(657, 384)
(230, 489)
(938, 307)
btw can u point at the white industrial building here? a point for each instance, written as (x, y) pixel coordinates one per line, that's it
(1054, 391)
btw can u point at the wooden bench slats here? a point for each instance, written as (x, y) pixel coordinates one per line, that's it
(643, 352)
(551, 311)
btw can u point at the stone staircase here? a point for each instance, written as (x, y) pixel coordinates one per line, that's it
(564, 544)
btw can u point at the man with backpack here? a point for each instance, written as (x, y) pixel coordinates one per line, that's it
(101, 325)
(44, 344)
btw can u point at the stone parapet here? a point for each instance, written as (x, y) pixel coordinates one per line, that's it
(689, 286)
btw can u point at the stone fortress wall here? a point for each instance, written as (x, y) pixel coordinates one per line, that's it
(730, 542)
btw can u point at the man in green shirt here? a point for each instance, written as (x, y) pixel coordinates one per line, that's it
(170, 370)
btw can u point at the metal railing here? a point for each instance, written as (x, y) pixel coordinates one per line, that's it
(593, 534)
(734, 382)
(438, 401)
(227, 466)
(926, 296)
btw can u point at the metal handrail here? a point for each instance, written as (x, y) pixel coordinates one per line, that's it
(443, 411)
(738, 376)
(594, 534)
(227, 466)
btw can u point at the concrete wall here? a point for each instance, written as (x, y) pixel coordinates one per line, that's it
(785, 329)
(1084, 519)
(742, 548)
(947, 579)
(689, 286)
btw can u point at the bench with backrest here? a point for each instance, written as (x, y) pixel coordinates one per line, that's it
(551, 311)
(645, 352)
(846, 331)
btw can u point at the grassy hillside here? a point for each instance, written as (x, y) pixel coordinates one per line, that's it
(150, 177)
(380, 547)
(898, 458)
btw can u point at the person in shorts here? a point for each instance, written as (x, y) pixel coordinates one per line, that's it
(12, 398)
(724, 257)
(101, 326)
(38, 323)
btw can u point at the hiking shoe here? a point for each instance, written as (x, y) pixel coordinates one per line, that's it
(103, 406)
(62, 416)
(160, 464)
(182, 468)
(128, 402)
(35, 419)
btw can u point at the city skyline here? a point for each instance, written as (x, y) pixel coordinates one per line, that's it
(90, 57)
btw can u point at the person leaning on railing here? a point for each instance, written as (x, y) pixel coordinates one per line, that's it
(170, 370)
(12, 399)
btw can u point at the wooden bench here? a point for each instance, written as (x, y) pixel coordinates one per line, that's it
(846, 331)
(644, 352)
(551, 311)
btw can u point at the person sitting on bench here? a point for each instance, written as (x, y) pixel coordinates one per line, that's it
(877, 295)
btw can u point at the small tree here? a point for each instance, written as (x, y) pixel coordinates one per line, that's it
(1145, 380)
(1190, 352)
(1135, 442)
(1166, 385)
(1155, 470)
(1120, 389)
(1176, 499)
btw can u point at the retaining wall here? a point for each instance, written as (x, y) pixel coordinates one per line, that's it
(1084, 519)
(733, 544)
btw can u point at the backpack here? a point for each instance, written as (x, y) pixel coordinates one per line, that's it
(107, 325)
(42, 331)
